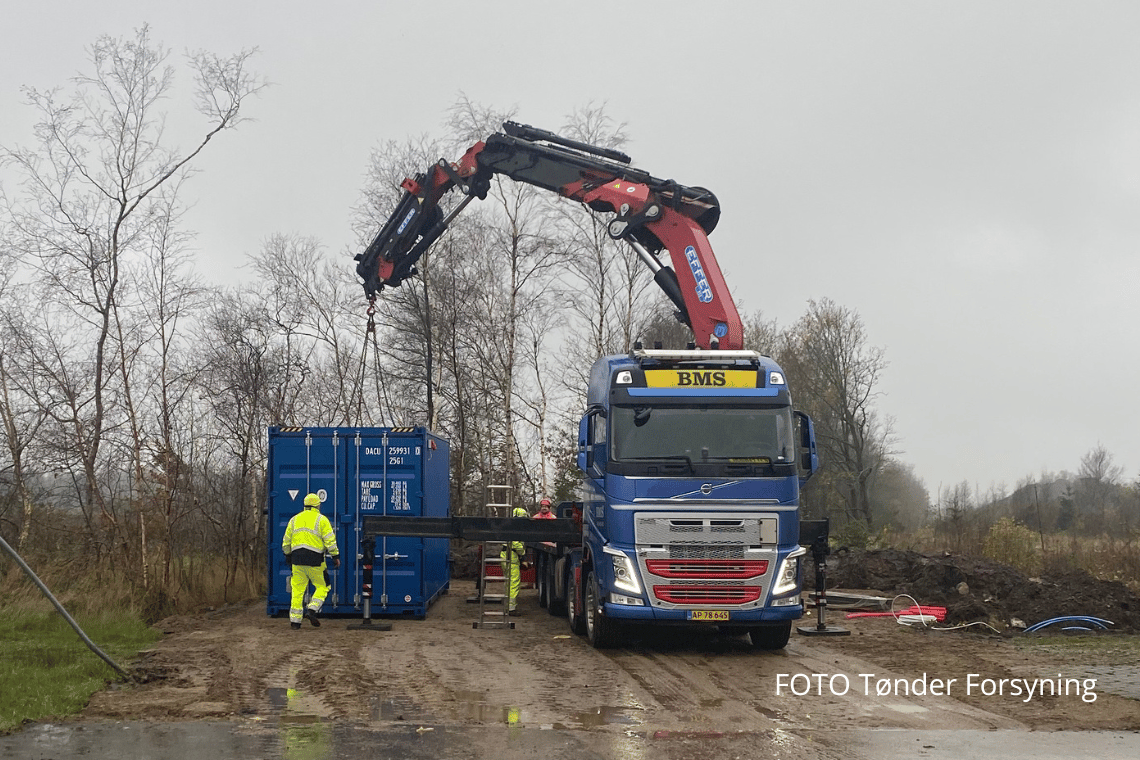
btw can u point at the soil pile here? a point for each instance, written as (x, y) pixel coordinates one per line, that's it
(974, 588)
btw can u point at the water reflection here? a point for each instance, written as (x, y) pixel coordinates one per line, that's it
(306, 742)
(607, 716)
(304, 735)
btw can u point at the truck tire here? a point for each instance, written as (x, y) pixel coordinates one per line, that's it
(574, 606)
(541, 582)
(554, 604)
(601, 631)
(771, 637)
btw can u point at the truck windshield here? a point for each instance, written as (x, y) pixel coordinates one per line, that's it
(702, 434)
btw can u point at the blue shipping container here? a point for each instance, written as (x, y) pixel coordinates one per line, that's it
(359, 472)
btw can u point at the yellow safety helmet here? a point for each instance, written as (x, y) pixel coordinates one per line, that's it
(520, 512)
(312, 500)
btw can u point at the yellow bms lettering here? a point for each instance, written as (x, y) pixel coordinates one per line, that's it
(700, 378)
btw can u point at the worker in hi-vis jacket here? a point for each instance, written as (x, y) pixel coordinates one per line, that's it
(308, 538)
(512, 556)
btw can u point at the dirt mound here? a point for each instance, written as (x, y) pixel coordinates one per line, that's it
(973, 588)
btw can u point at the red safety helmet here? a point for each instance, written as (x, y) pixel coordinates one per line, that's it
(544, 503)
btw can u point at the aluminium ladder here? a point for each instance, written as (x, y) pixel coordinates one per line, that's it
(498, 505)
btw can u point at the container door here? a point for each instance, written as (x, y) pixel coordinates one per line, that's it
(400, 580)
(389, 481)
(303, 461)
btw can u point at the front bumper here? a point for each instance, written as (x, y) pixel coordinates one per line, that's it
(681, 617)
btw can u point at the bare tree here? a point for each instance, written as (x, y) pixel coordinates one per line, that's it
(21, 419)
(92, 196)
(310, 301)
(158, 381)
(604, 282)
(407, 355)
(254, 374)
(537, 399)
(835, 375)
(1098, 487)
(520, 239)
(761, 334)
(425, 364)
(659, 324)
(956, 507)
(19, 414)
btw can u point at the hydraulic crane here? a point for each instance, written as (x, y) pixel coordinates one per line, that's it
(651, 214)
(692, 460)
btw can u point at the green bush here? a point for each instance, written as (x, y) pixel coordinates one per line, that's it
(853, 535)
(1013, 544)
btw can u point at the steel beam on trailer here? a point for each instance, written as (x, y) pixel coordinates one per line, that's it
(560, 530)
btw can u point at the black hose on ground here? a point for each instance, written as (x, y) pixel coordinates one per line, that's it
(35, 579)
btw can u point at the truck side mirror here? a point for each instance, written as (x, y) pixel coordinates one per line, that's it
(585, 456)
(590, 450)
(809, 456)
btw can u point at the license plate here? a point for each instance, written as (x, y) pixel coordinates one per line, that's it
(710, 615)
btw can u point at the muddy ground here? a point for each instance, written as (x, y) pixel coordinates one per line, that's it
(238, 664)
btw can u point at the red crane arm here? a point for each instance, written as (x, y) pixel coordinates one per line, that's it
(707, 302)
(650, 213)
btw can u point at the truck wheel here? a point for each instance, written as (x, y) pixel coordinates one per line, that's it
(541, 581)
(574, 607)
(771, 637)
(602, 632)
(554, 605)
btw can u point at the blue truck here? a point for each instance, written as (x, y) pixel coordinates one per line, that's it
(692, 459)
(692, 465)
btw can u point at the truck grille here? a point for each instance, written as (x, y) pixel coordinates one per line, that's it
(721, 569)
(711, 558)
(686, 595)
(726, 530)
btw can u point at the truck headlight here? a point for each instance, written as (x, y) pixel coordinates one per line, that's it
(625, 574)
(787, 577)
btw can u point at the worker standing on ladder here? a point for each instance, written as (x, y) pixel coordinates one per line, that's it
(308, 537)
(512, 557)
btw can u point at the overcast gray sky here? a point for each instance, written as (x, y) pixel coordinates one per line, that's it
(965, 175)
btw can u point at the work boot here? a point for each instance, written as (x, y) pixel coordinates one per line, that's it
(312, 618)
(295, 626)
(514, 613)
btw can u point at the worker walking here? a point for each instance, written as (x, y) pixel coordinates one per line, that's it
(512, 556)
(308, 537)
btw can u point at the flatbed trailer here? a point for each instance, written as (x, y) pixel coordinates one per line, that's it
(554, 562)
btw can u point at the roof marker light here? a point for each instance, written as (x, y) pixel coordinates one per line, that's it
(625, 377)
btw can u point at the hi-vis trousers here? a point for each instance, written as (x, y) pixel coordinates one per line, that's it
(302, 576)
(512, 567)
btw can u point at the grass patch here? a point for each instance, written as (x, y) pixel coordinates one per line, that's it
(47, 671)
